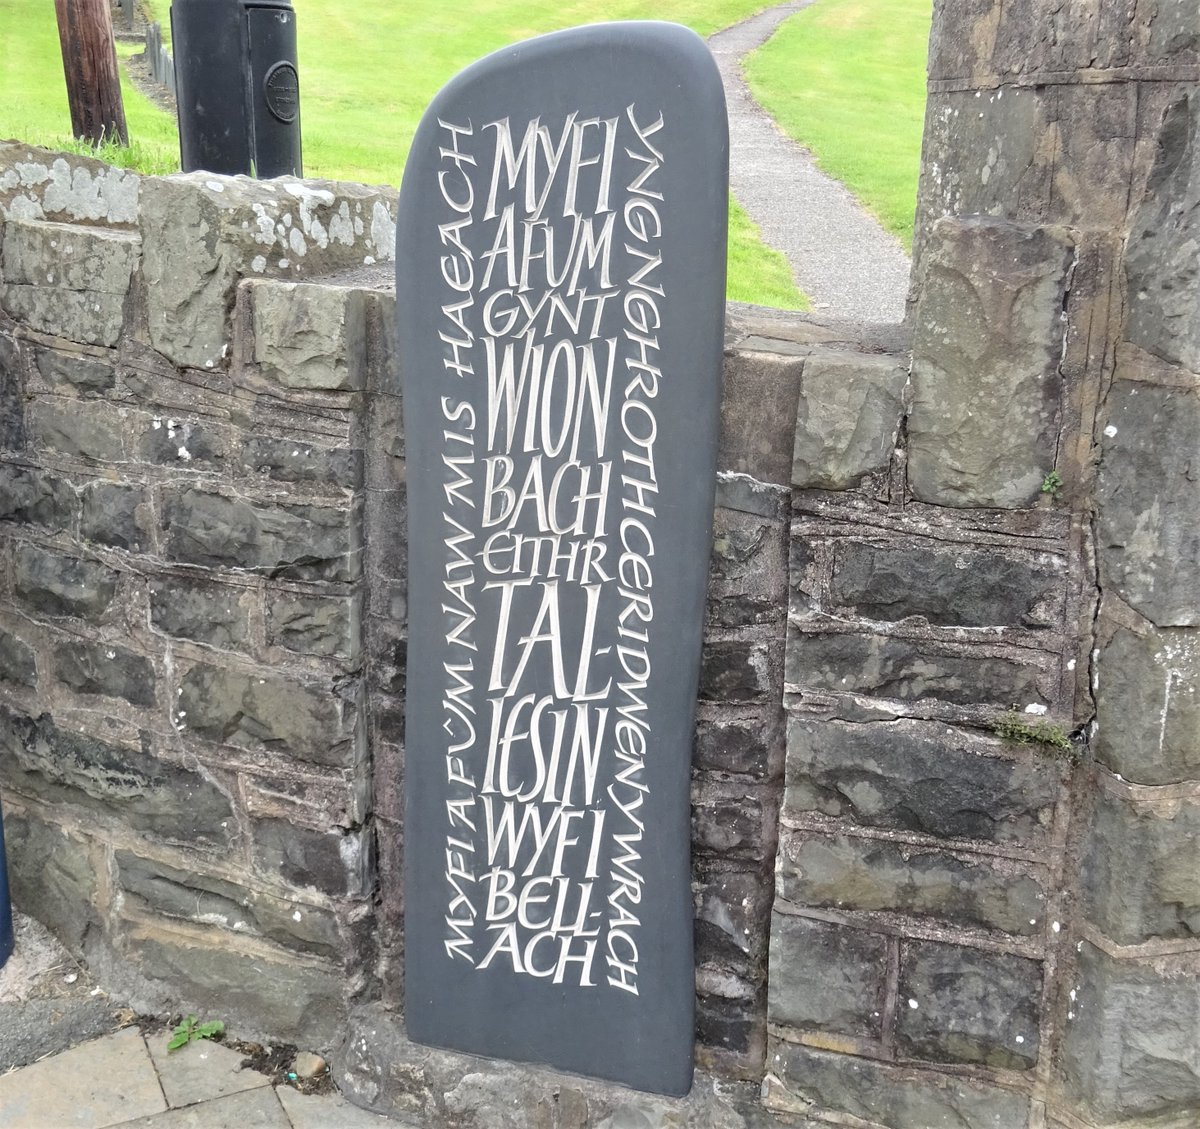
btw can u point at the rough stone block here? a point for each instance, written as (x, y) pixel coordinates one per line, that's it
(84, 373)
(959, 1004)
(1097, 158)
(315, 625)
(849, 417)
(1061, 154)
(37, 497)
(207, 900)
(758, 415)
(168, 441)
(17, 662)
(254, 710)
(827, 977)
(302, 542)
(68, 280)
(292, 460)
(1130, 1048)
(747, 580)
(732, 819)
(746, 495)
(116, 514)
(909, 670)
(215, 614)
(923, 777)
(337, 861)
(70, 188)
(1162, 287)
(736, 670)
(1010, 141)
(58, 766)
(1141, 880)
(1148, 509)
(961, 44)
(1044, 35)
(46, 581)
(1172, 31)
(1148, 706)
(747, 745)
(805, 1080)
(949, 585)
(732, 909)
(206, 971)
(12, 395)
(52, 876)
(280, 228)
(105, 668)
(735, 1027)
(983, 426)
(308, 336)
(78, 429)
(846, 873)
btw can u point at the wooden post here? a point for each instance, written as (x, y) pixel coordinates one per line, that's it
(90, 64)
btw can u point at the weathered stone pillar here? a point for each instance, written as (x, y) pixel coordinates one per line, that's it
(1069, 135)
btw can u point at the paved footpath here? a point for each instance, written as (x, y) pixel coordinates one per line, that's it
(67, 1068)
(132, 1081)
(840, 255)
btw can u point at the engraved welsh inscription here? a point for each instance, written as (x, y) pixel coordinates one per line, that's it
(560, 413)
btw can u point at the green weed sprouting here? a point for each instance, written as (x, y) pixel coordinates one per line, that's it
(1052, 484)
(1022, 730)
(190, 1030)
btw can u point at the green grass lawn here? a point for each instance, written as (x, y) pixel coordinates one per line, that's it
(366, 79)
(33, 93)
(846, 78)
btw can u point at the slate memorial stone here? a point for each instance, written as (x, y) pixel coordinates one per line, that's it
(560, 294)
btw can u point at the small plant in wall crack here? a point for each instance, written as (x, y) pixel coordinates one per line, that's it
(191, 1030)
(1052, 484)
(1022, 730)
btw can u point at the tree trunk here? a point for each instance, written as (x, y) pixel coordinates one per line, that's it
(90, 64)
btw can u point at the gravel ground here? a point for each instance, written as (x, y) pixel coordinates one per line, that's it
(840, 255)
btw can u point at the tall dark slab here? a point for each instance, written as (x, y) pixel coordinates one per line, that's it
(560, 285)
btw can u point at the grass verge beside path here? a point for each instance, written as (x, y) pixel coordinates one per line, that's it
(33, 93)
(366, 79)
(846, 79)
(366, 76)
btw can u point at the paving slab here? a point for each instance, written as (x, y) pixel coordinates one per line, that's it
(332, 1111)
(201, 1070)
(105, 1082)
(251, 1109)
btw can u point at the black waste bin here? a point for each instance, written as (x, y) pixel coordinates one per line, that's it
(237, 86)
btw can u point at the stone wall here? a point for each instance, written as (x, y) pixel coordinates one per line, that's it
(202, 624)
(945, 785)
(184, 719)
(1078, 125)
